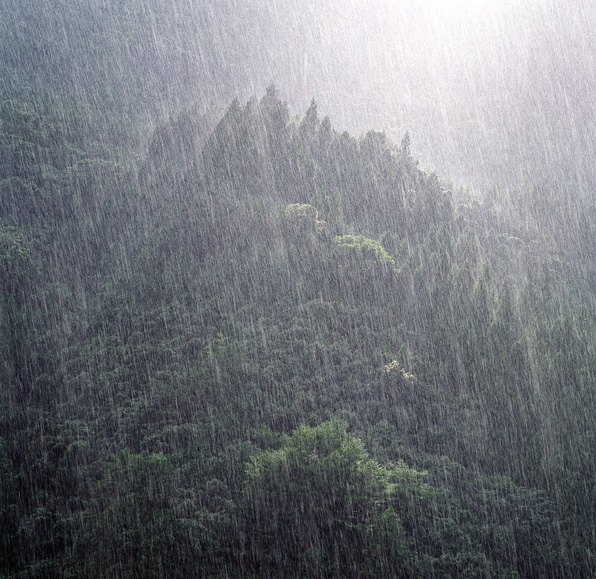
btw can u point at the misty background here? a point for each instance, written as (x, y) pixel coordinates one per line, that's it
(491, 92)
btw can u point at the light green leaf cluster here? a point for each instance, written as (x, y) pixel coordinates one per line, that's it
(364, 244)
(304, 216)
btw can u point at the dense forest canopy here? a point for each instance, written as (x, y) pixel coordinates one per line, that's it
(237, 341)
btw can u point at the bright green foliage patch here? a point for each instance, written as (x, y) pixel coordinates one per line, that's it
(320, 505)
(364, 245)
(304, 217)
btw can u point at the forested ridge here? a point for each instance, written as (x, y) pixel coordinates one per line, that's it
(492, 92)
(267, 348)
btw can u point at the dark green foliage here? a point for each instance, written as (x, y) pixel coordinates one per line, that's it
(317, 505)
(193, 351)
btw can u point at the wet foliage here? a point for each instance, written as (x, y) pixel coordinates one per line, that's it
(287, 352)
(239, 341)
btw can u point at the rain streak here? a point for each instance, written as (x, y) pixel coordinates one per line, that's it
(297, 289)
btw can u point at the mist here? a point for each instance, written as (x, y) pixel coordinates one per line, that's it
(297, 289)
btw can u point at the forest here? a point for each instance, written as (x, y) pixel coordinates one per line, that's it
(261, 346)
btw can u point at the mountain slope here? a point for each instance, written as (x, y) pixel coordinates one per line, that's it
(171, 330)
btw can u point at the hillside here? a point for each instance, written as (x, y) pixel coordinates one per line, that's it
(268, 348)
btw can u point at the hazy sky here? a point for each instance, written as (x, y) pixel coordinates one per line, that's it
(479, 84)
(490, 90)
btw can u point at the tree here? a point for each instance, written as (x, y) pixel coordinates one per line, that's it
(140, 521)
(320, 505)
(310, 123)
(17, 272)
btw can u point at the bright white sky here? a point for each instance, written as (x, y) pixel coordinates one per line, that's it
(461, 4)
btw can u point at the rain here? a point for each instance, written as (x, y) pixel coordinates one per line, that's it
(297, 289)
